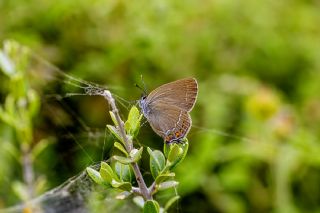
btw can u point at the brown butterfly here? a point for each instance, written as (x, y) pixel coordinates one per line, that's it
(167, 108)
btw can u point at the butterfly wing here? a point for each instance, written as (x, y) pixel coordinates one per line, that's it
(170, 122)
(181, 93)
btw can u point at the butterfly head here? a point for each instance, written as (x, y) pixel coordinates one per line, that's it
(143, 105)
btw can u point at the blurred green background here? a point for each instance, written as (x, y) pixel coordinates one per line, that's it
(255, 142)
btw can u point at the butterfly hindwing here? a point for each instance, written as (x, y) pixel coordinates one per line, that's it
(171, 123)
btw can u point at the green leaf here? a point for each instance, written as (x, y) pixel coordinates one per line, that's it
(107, 173)
(123, 195)
(135, 154)
(9, 148)
(40, 147)
(132, 125)
(139, 201)
(126, 186)
(6, 64)
(124, 172)
(157, 162)
(40, 185)
(106, 166)
(113, 118)
(94, 175)
(34, 103)
(166, 149)
(123, 160)
(167, 185)
(176, 154)
(21, 190)
(167, 146)
(7, 117)
(10, 108)
(171, 202)
(115, 132)
(151, 206)
(163, 177)
(121, 148)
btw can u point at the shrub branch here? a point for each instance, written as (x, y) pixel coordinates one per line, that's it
(143, 189)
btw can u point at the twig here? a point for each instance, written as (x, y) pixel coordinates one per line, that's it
(28, 175)
(144, 191)
(152, 188)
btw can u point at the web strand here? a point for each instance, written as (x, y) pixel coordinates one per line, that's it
(222, 133)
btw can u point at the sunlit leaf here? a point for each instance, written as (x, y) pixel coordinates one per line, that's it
(95, 175)
(164, 177)
(136, 154)
(113, 118)
(151, 206)
(139, 201)
(132, 125)
(123, 160)
(176, 154)
(21, 190)
(167, 185)
(109, 170)
(126, 186)
(115, 132)
(123, 195)
(6, 64)
(121, 148)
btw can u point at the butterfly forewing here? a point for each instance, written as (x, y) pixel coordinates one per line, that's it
(181, 93)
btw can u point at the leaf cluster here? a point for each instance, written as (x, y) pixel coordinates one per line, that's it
(119, 174)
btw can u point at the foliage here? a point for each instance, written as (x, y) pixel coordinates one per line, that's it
(125, 167)
(20, 107)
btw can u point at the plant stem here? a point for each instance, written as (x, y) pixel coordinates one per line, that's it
(145, 192)
(152, 188)
(142, 185)
(28, 175)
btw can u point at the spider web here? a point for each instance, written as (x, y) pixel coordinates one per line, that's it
(79, 193)
(76, 195)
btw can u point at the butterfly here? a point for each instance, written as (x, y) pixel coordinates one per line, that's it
(167, 108)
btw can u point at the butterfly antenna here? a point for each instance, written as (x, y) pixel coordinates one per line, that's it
(144, 85)
(143, 89)
(143, 92)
